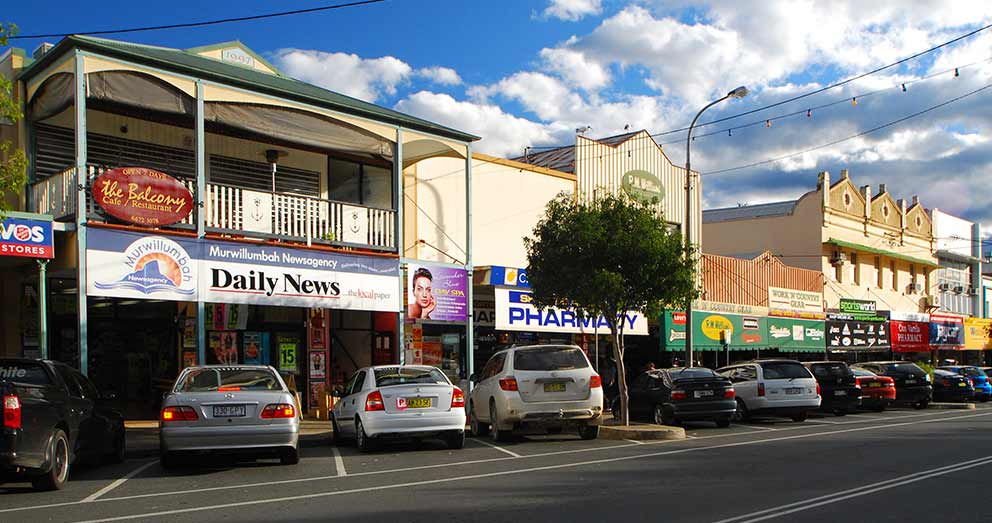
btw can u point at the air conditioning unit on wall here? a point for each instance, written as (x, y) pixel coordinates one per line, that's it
(944, 286)
(838, 258)
(933, 301)
(972, 291)
(959, 289)
(915, 288)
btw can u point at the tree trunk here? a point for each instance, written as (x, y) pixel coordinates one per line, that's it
(621, 376)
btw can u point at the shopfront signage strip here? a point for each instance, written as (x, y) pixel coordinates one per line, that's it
(795, 303)
(26, 238)
(515, 312)
(142, 196)
(643, 187)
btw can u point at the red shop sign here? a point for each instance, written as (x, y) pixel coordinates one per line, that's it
(142, 196)
(909, 336)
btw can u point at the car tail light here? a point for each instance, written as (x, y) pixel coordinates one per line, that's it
(178, 414)
(730, 393)
(457, 398)
(888, 382)
(278, 410)
(509, 384)
(228, 389)
(818, 389)
(595, 381)
(761, 389)
(945, 382)
(373, 402)
(11, 411)
(679, 394)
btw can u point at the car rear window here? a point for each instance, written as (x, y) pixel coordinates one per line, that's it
(826, 370)
(224, 379)
(862, 372)
(24, 373)
(549, 358)
(388, 376)
(696, 372)
(902, 368)
(971, 372)
(779, 370)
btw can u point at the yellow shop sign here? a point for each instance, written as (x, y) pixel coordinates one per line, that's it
(713, 325)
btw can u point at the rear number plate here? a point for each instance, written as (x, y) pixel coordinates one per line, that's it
(874, 384)
(703, 393)
(910, 382)
(229, 411)
(840, 393)
(554, 387)
(962, 384)
(418, 403)
(794, 391)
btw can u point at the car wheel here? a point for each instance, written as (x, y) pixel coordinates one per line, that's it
(57, 475)
(983, 399)
(455, 439)
(840, 412)
(741, 414)
(336, 437)
(723, 422)
(498, 434)
(289, 456)
(479, 429)
(880, 408)
(664, 416)
(120, 448)
(920, 405)
(362, 440)
(588, 432)
(800, 417)
(168, 460)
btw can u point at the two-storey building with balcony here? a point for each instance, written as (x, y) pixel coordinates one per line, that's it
(288, 252)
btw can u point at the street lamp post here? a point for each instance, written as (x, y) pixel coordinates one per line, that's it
(740, 92)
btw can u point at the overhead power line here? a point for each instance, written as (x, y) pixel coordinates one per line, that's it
(204, 23)
(811, 93)
(853, 136)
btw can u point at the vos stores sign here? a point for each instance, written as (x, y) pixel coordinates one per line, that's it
(227, 272)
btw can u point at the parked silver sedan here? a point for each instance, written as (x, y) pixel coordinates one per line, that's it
(399, 401)
(230, 408)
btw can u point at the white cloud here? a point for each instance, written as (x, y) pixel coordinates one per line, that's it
(440, 75)
(502, 133)
(577, 68)
(366, 79)
(573, 10)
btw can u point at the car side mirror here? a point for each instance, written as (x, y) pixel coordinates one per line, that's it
(474, 378)
(336, 393)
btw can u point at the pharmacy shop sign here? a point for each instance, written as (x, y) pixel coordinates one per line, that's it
(515, 312)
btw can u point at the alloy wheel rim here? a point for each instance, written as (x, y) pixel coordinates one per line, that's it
(61, 459)
(360, 433)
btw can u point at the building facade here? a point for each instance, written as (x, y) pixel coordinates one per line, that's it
(206, 208)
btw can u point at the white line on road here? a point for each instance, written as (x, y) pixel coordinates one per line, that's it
(783, 510)
(761, 427)
(514, 472)
(501, 449)
(634, 441)
(455, 464)
(338, 462)
(826, 422)
(96, 495)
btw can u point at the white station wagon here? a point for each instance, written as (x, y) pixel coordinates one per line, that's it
(537, 389)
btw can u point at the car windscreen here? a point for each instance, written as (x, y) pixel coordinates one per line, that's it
(24, 373)
(693, 373)
(549, 358)
(902, 368)
(780, 370)
(228, 379)
(862, 372)
(830, 370)
(388, 376)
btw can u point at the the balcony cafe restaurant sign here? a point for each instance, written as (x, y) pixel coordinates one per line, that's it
(125, 264)
(142, 196)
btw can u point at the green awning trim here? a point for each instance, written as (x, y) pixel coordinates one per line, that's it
(873, 250)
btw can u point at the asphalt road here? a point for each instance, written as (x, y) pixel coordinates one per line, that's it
(901, 465)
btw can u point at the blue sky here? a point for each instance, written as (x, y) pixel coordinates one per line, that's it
(527, 73)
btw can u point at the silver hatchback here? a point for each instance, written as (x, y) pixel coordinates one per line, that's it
(229, 408)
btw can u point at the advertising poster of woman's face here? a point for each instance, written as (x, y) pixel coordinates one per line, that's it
(422, 302)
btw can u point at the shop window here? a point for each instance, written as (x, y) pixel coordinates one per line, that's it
(895, 275)
(912, 274)
(362, 184)
(878, 272)
(856, 267)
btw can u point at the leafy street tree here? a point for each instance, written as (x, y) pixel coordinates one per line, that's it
(13, 162)
(608, 257)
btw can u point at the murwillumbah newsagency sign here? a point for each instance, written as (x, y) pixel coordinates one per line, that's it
(133, 265)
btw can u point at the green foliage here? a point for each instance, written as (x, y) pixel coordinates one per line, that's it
(608, 256)
(13, 162)
(926, 367)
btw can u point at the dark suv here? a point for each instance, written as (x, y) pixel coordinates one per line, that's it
(912, 383)
(838, 386)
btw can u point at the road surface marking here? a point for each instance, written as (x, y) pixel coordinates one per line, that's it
(96, 495)
(501, 449)
(634, 441)
(460, 463)
(339, 462)
(829, 422)
(761, 427)
(516, 471)
(799, 506)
